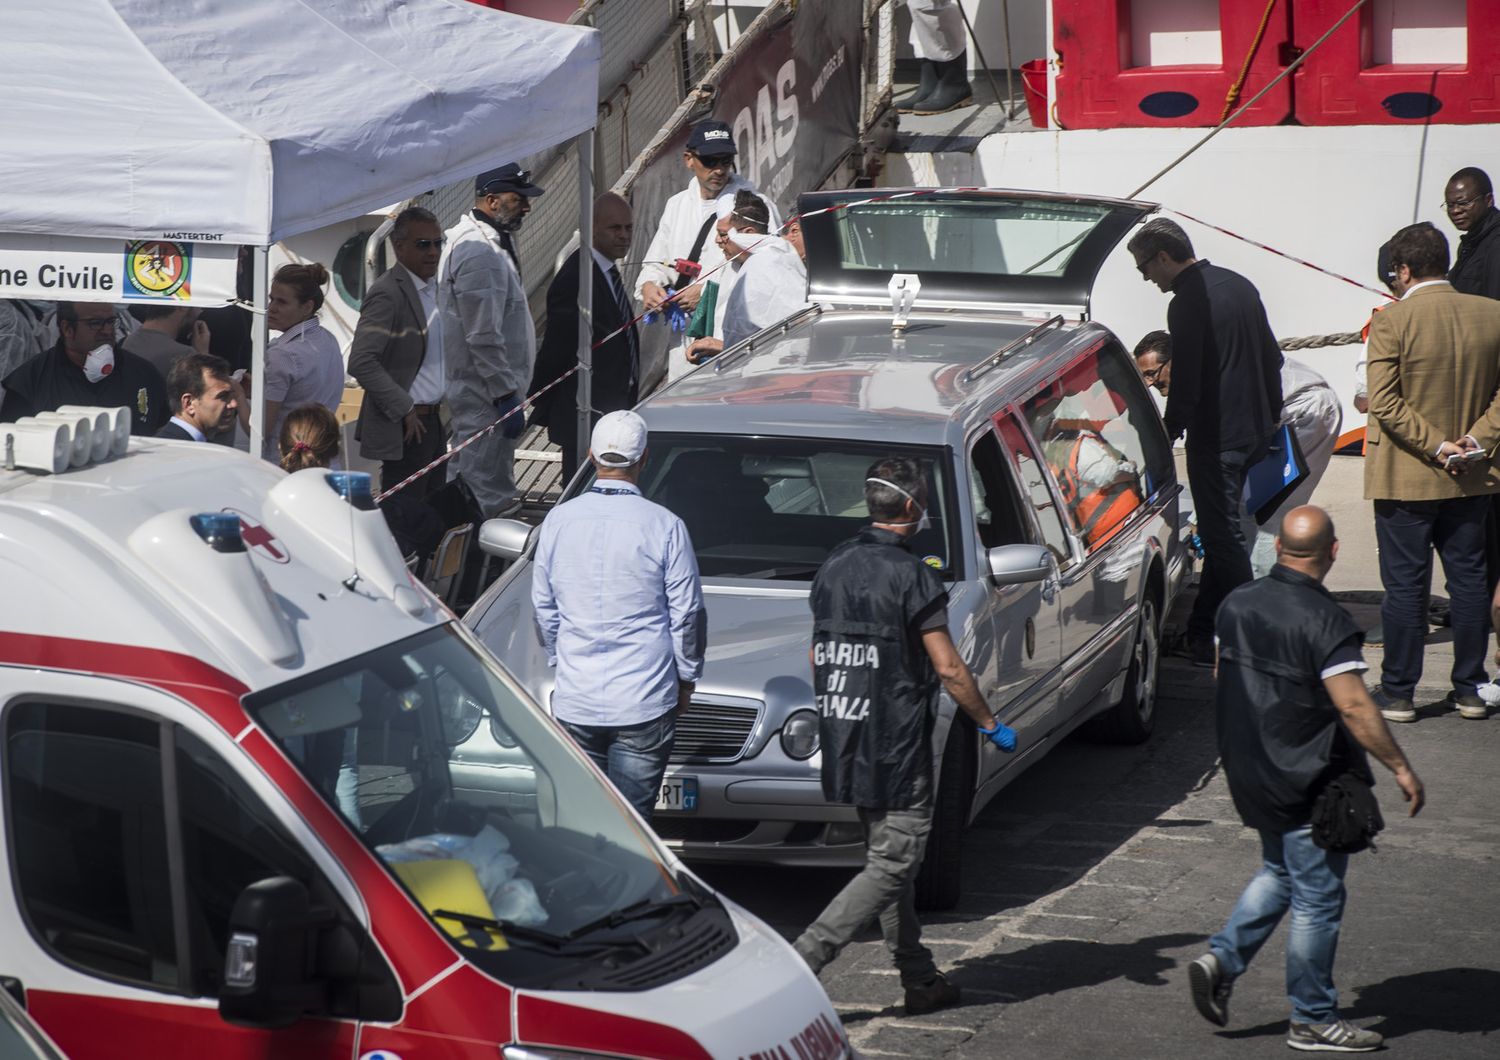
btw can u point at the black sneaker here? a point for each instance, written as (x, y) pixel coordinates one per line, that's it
(931, 996)
(1210, 989)
(1340, 1036)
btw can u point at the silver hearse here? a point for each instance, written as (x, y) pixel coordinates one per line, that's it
(1054, 511)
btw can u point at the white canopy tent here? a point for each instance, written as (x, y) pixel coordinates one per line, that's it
(227, 122)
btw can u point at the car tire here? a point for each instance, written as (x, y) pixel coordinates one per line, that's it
(939, 882)
(1131, 720)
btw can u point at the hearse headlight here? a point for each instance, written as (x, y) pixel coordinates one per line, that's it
(799, 736)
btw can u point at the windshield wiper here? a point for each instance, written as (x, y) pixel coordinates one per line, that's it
(636, 911)
(802, 571)
(509, 928)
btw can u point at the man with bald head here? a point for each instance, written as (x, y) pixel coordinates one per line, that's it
(1293, 713)
(616, 363)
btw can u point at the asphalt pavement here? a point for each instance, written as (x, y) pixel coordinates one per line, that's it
(1092, 880)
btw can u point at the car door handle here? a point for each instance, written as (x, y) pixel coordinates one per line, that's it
(1049, 589)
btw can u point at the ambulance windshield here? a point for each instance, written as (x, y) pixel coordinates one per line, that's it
(491, 818)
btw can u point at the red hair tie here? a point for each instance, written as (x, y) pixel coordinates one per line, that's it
(300, 447)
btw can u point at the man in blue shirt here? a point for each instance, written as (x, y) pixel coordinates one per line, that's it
(619, 610)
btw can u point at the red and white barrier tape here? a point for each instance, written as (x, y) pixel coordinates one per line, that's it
(910, 194)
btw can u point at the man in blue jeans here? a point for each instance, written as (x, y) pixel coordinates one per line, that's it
(1293, 713)
(619, 611)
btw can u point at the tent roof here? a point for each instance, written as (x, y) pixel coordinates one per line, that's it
(250, 122)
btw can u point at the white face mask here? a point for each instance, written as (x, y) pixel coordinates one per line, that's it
(99, 363)
(924, 523)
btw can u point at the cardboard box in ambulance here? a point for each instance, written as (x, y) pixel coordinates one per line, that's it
(226, 717)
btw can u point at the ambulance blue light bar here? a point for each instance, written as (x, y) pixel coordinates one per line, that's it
(355, 487)
(221, 531)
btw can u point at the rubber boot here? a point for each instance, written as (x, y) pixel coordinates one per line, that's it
(953, 89)
(928, 82)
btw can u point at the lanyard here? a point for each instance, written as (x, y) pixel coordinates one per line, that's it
(608, 492)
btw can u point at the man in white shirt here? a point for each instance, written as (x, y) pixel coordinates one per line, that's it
(686, 227)
(397, 357)
(772, 285)
(203, 399)
(619, 611)
(489, 343)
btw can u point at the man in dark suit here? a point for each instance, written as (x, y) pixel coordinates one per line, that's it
(1226, 396)
(397, 356)
(616, 363)
(201, 397)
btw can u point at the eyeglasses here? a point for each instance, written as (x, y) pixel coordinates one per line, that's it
(1151, 375)
(426, 244)
(97, 323)
(1142, 266)
(715, 162)
(1458, 204)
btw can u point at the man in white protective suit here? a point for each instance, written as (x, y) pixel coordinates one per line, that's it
(772, 285)
(489, 347)
(1308, 405)
(686, 229)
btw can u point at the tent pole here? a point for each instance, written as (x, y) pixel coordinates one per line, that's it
(259, 332)
(584, 143)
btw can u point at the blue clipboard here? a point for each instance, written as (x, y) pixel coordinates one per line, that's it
(1271, 480)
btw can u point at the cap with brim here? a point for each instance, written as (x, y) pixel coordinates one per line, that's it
(712, 139)
(509, 177)
(619, 439)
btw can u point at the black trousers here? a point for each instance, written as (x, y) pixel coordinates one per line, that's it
(417, 455)
(1217, 479)
(1407, 532)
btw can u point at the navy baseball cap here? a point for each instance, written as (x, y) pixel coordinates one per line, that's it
(509, 177)
(711, 139)
(1384, 267)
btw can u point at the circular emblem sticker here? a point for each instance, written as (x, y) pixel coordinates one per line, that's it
(156, 267)
(935, 562)
(260, 540)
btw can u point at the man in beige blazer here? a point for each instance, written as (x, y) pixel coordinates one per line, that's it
(1434, 368)
(397, 356)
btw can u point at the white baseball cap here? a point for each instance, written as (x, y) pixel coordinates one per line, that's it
(621, 435)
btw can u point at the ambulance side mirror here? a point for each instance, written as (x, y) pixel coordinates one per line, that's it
(269, 964)
(505, 538)
(1019, 564)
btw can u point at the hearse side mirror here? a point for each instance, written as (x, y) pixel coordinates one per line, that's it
(506, 538)
(1019, 564)
(269, 964)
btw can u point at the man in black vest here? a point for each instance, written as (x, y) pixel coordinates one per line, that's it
(880, 648)
(1290, 698)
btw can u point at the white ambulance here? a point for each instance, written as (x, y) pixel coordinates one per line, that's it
(226, 718)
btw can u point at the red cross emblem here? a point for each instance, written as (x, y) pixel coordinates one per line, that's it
(258, 539)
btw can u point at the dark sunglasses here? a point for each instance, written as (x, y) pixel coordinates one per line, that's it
(427, 244)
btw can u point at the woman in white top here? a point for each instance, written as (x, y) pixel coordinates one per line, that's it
(303, 364)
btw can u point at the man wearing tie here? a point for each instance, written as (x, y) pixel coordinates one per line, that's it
(397, 356)
(616, 363)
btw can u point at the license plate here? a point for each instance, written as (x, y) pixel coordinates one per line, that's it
(678, 793)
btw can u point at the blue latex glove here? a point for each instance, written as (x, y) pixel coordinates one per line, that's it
(1002, 736)
(673, 314)
(1195, 546)
(513, 424)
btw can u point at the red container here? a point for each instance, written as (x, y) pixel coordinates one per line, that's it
(1098, 88)
(1034, 88)
(1341, 84)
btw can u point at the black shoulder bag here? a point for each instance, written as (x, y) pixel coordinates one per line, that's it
(683, 279)
(1345, 816)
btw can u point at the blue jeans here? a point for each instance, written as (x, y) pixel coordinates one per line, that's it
(1299, 875)
(1407, 532)
(634, 757)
